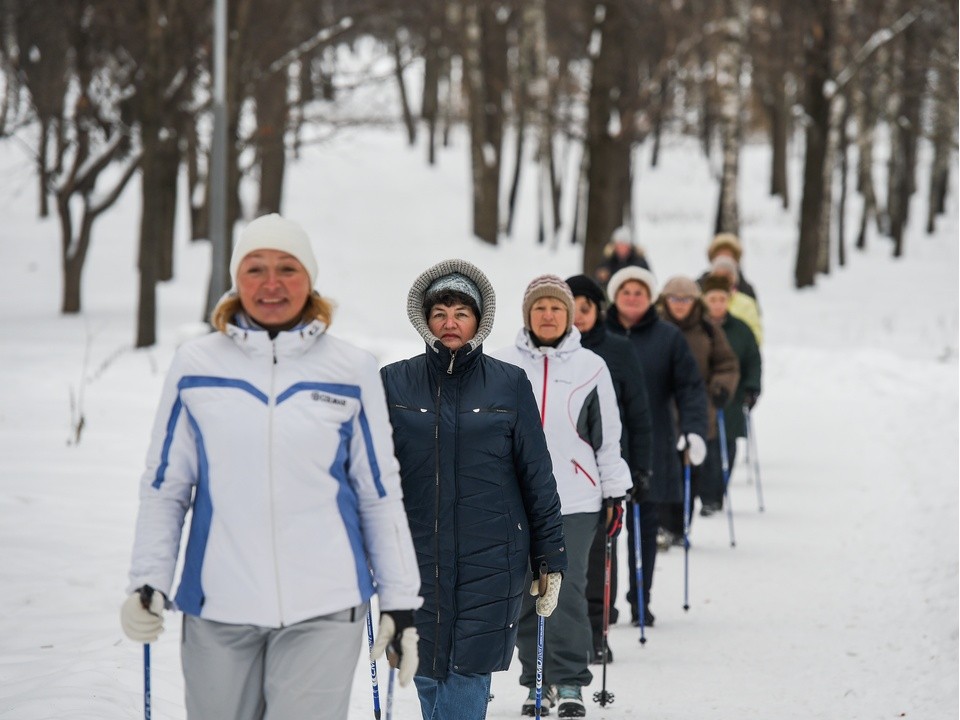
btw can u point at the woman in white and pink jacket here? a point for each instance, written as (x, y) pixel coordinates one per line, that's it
(275, 436)
(581, 420)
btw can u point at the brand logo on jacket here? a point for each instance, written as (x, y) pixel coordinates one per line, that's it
(323, 397)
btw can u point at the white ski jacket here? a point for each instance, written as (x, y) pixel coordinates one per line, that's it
(580, 416)
(283, 451)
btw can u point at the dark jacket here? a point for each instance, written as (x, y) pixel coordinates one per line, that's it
(636, 438)
(744, 346)
(478, 488)
(716, 360)
(672, 380)
(611, 263)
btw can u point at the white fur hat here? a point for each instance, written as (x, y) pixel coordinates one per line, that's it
(272, 232)
(632, 272)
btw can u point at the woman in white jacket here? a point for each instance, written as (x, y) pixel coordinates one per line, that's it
(581, 420)
(275, 435)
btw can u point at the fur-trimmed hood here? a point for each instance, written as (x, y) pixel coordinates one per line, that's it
(415, 297)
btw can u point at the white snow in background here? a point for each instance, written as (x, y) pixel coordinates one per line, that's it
(839, 601)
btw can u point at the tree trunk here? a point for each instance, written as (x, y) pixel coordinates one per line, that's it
(907, 124)
(729, 62)
(844, 142)
(779, 114)
(43, 175)
(485, 74)
(196, 186)
(945, 123)
(272, 119)
(608, 138)
(430, 103)
(168, 172)
(865, 130)
(817, 68)
(408, 120)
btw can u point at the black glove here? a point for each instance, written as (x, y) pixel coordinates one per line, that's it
(613, 516)
(398, 636)
(641, 485)
(720, 396)
(750, 398)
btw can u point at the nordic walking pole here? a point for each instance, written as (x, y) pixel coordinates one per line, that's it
(390, 694)
(373, 668)
(725, 463)
(146, 595)
(752, 445)
(604, 696)
(638, 569)
(686, 531)
(146, 681)
(541, 590)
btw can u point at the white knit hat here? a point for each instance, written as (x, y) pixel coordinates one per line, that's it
(272, 232)
(632, 272)
(622, 235)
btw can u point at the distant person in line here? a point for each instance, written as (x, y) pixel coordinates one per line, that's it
(478, 488)
(580, 417)
(636, 436)
(680, 304)
(275, 435)
(677, 400)
(727, 244)
(619, 253)
(741, 305)
(716, 297)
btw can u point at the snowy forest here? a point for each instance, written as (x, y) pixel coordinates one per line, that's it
(101, 91)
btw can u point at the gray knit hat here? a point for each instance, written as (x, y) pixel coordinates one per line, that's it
(457, 283)
(552, 286)
(471, 275)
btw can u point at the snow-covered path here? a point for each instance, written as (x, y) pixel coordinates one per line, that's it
(839, 601)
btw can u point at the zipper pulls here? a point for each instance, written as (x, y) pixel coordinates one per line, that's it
(453, 356)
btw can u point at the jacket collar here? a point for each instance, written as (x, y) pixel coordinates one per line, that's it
(568, 345)
(255, 341)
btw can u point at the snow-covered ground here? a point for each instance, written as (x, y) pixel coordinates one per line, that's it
(840, 600)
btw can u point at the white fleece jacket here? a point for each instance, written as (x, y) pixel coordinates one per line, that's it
(283, 451)
(580, 416)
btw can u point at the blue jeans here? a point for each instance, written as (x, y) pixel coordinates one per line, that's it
(459, 696)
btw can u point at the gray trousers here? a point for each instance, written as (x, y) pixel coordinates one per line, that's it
(246, 672)
(568, 640)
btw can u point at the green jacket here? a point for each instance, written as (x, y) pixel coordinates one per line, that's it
(744, 344)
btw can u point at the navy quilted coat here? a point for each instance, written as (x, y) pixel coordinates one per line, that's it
(481, 501)
(478, 488)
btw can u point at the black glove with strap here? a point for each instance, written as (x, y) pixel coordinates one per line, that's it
(613, 516)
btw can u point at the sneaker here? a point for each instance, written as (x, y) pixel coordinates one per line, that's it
(710, 508)
(648, 619)
(598, 656)
(569, 702)
(547, 701)
(665, 539)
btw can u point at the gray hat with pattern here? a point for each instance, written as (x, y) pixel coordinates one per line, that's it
(458, 276)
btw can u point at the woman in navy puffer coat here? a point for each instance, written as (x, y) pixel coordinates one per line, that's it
(478, 489)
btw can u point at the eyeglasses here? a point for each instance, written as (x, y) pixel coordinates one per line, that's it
(680, 299)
